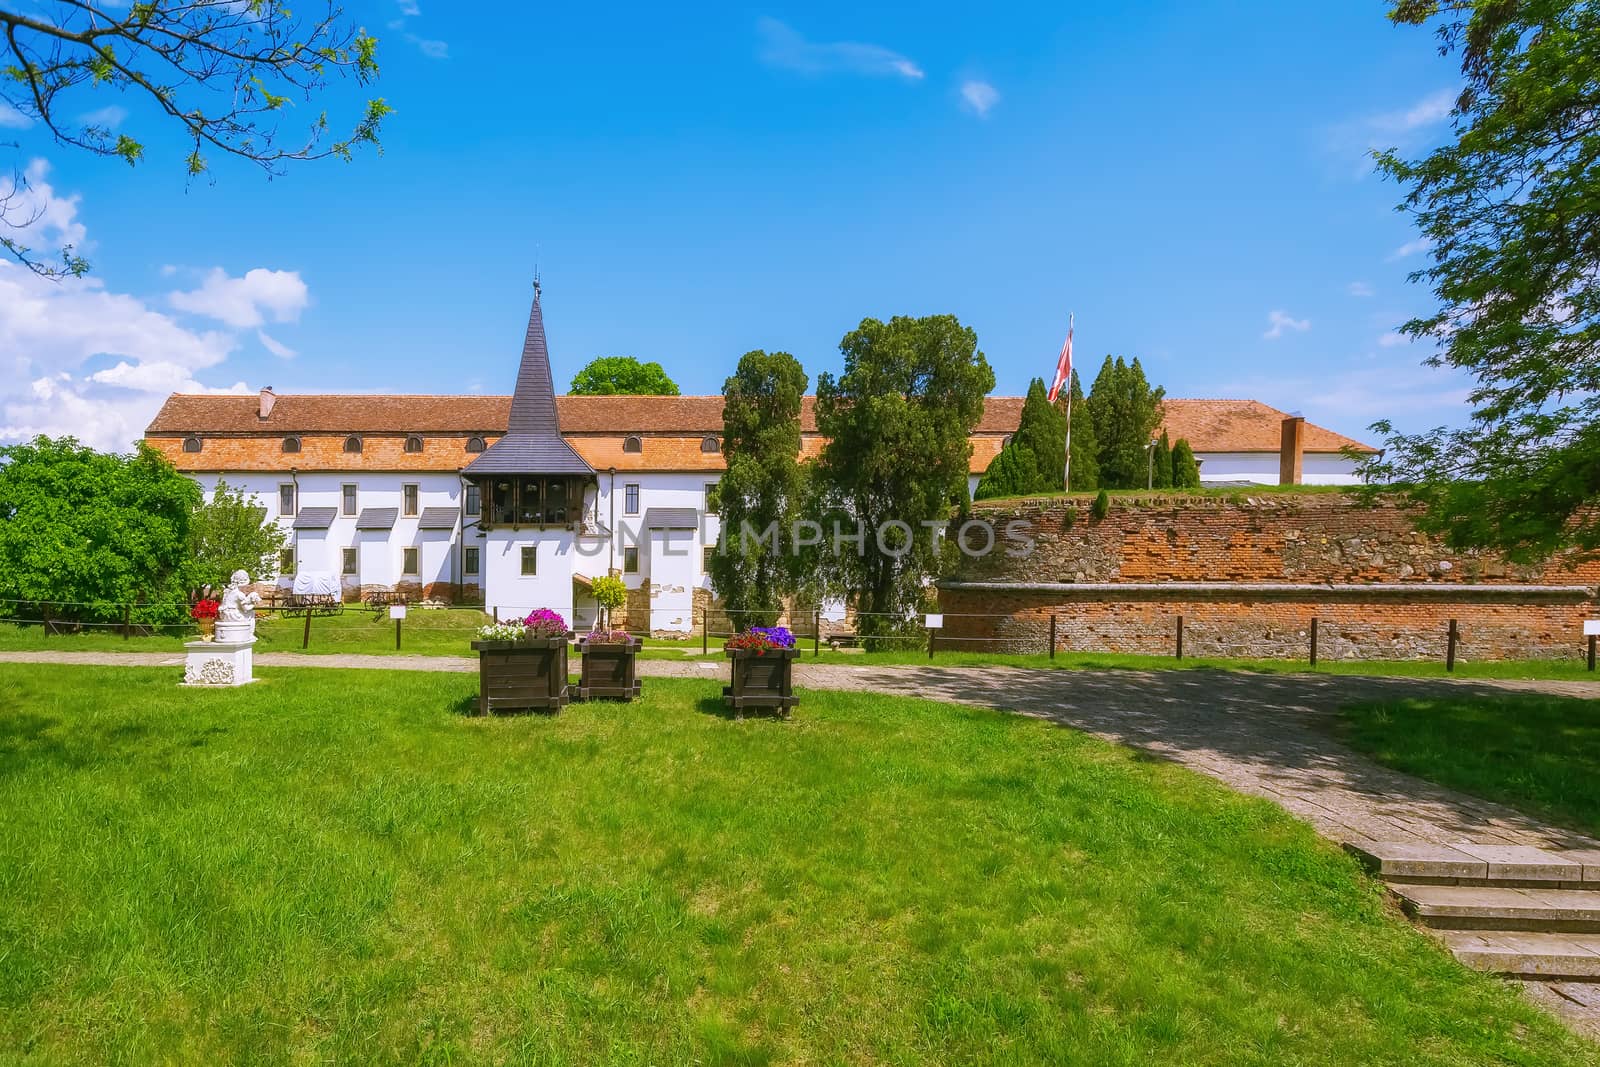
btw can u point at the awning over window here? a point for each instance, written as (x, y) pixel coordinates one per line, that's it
(438, 518)
(671, 519)
(315, 518)
(377, 518)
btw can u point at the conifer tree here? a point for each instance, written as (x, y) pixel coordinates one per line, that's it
(1160, 476)
(1185, 471)
(1085, 449)
(1126, 412)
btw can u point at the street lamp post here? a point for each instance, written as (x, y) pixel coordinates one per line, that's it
(1150, 464)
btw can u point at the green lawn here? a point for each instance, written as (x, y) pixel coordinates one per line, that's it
(341, 866)
(1539, 754)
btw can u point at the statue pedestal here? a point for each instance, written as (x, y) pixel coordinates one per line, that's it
(213, 664)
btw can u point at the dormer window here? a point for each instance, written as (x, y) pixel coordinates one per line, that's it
(413, 443)
(632, 444)
(475, 444)
(352, 443)
(291, 444)
(710, 444)
(191, 444)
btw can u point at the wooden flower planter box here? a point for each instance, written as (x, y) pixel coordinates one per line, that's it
(609, 669)
(761, 679)
(522, 675)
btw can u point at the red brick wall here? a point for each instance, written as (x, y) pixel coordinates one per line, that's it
(1387, 591)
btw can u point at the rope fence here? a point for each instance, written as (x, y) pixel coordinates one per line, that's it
(813, 625)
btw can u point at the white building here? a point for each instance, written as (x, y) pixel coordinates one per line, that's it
(520, 502)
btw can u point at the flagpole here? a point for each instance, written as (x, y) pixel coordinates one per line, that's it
(1066, 469)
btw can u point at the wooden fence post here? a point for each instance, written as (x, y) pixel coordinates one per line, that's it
(397, 621)
(1313, 640)
(932, 634)
(816, 632)
(127, 610)
(1451, 638)
(305, 641)
(1052, 635)
(1592, 640)
(705, 629)
(1180, 636)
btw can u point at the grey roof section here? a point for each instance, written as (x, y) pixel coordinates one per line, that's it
(438, 518)
(533, 443)
(377, 518)
(526, 454)
(315, 518)
(533, 402)
(671, 519)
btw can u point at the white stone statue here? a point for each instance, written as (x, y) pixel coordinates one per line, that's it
(236, 615)
(227, 659)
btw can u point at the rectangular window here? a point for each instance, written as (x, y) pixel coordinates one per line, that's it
(705, 558)
(286, 498)
(286, 561)
(348, 499)
(630, 560)
(408, 498)
(711, 498)
(408, 561)
(630, 499)
(347, 560)
(469, 560)
(530, 559)
(474, 501)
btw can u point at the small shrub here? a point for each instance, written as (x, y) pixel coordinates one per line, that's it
(1069, 518)
(610, 594)
(1102, 505)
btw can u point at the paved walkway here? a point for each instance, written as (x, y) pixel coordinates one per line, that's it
(1266, 735)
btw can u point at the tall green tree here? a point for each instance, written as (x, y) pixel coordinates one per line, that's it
(1160, 476)
(1126, 412)
(228, 533)
(224, 77)
(622, 375)
(1031, 461)
(897, 422)
(1185, 468)
(1085, 472)
(95, 530)
(1013, 472)
(1510, 205)
(763, 489)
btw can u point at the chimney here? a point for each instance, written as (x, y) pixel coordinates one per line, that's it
(268, 398)
(1291, 450)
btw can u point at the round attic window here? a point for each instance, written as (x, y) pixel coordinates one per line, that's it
(191, 444)
(710, 444)
(291, 444)
(632, 444)
(352, 443)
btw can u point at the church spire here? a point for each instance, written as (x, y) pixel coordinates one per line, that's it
(533, 443)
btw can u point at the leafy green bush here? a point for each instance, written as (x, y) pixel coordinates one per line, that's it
(610, 594)
(1102, 505)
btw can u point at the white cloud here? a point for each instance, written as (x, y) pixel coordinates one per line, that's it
(1361, 289)
(275, 346)
(1404, 129)
(12, 119)
(77, 359)
(1391, 339)
(32, 214)
(430, 48)
(1414, 396)
(246, 301)
(1411, 248)
(979, 97)
(106, 117)
(408, 8)
(52, 333)
(1280, 321)
(783, 47)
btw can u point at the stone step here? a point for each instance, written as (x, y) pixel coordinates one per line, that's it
(1541, 956)
(1461, 907)
(1412, 862)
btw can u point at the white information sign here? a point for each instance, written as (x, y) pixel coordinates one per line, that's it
(1590, 627)
(933, 622)
(397, 611)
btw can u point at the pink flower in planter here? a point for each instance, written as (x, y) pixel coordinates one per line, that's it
(545, 623)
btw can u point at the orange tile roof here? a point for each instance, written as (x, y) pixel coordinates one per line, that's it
(235, 439)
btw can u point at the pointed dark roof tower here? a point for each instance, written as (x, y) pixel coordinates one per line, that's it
(533, 443)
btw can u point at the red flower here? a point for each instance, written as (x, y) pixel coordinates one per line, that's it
(204, 609)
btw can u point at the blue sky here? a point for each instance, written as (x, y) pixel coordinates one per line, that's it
(1188, 178)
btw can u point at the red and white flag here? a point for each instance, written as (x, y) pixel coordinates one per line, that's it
(1063, 367)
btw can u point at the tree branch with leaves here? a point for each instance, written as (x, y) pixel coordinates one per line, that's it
(224, 73)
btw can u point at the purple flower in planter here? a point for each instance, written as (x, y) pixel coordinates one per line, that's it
(545, 623)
